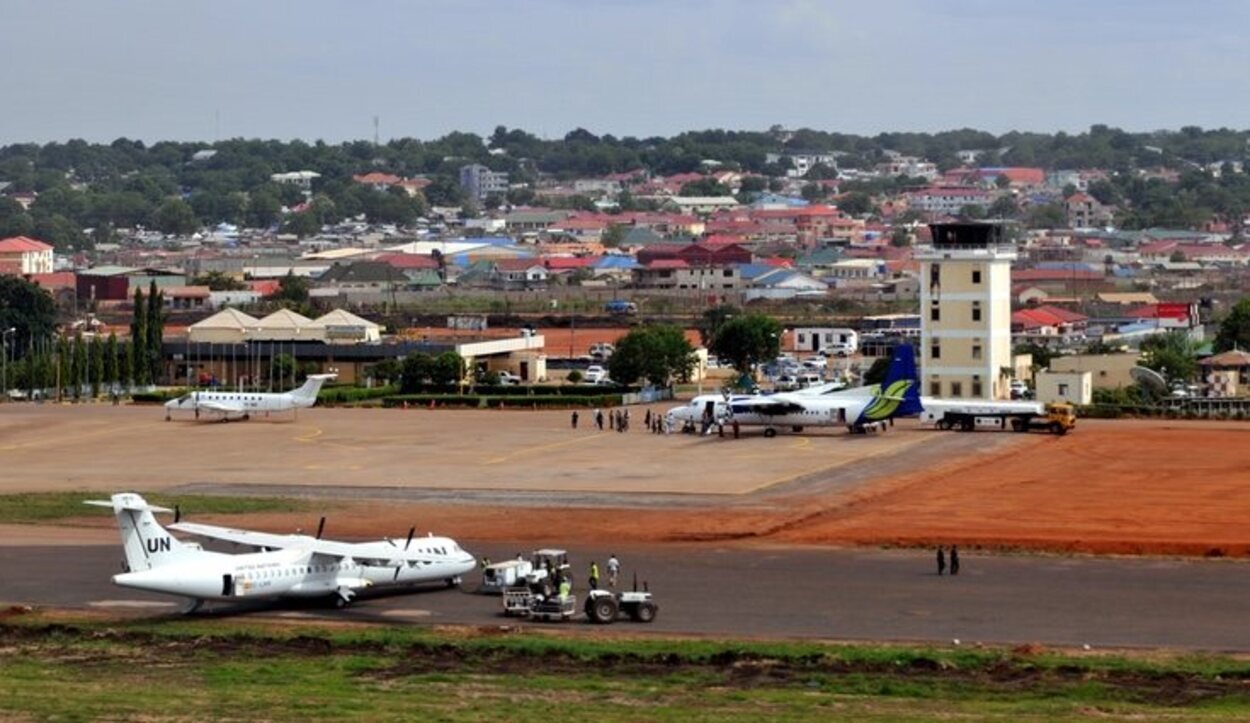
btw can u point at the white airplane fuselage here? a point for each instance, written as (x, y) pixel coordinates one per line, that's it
(816, 412)
(245, 404)
(294, 573)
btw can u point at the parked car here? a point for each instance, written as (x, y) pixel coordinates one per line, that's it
(508, 379)
(816, 362)
(594, 374)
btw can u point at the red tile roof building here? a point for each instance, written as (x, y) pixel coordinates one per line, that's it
(31, 255)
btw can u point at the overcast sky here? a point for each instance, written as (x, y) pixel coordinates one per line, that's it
(199, 70)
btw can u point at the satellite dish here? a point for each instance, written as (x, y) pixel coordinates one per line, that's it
(1149, 379)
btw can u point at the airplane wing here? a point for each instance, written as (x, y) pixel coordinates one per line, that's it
(220, 407)
(775, 404)
(328, 548)
(242, 537)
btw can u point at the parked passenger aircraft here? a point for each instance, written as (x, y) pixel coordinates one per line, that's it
(853, 408)
(244, 404)
(288, 566)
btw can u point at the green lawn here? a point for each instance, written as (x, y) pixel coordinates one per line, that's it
(48, 506)
(222, 669)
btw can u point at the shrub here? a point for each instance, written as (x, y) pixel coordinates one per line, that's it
(332, 396)
(519, 401)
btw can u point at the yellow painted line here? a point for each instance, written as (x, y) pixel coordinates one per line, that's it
(309, 435)
(62, 439)
(543, 447)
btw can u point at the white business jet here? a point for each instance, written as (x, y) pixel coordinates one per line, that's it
(857, 409)
(245, 404)
(288, 566)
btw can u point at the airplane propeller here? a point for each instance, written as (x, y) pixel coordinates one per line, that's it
(321, 526)
(177, 514)
(412, 531)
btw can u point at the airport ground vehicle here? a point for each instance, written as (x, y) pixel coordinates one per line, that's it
(604, 606)
(539, 580)
(1018, 416)
(620, 306)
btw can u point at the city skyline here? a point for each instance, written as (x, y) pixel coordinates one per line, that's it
(324, 69)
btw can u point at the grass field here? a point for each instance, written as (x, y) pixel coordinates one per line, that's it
(224, 670)
(49, 506)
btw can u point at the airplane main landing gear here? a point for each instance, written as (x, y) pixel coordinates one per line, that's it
(343, 597)
(770, 432)
(193, 606)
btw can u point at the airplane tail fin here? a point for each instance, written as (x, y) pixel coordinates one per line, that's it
(146, 543)
(899, 394)
(307, 394)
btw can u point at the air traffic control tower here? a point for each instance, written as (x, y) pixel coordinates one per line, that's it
(965, 311)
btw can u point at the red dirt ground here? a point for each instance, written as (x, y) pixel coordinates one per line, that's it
(1109, 488)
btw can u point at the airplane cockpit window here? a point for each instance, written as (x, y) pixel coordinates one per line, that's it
(184, 398)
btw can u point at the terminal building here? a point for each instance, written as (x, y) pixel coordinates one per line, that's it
(965, 311)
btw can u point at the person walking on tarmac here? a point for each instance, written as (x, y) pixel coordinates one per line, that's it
(594, 576)
(575, 419)
(941, 560)
(614, 569)
(954, 560)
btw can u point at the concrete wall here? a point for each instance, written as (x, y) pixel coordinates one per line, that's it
(1073, 387)
(1109, 371)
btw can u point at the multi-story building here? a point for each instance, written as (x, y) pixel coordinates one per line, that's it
(948, 200)
(965, 311)
(478, 181)
(26, 255)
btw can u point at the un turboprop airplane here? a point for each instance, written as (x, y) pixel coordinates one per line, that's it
(244, 404)
(288, 566)
(855, 408)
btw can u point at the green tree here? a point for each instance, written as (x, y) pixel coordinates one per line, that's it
(1003, 207)
(707, 186)
(746, 341)
(303, 224)
(388, 371)
(263, 209)
(281, 371)
(112, 362)
(1047, 215)
(900, 237)
(64, 367)
(713, 319)
(1234, 330)
(447, 369)
(79, 373)
(753, 184)
(139, 340)
(292, 290)
(176, 217)
(154, 354)
(613, 236)
(126, 365)
(28, 310)
(1172, 354)
(972, 212)
(658, 354)
(856, 203)
(96, 352)
(415, 372)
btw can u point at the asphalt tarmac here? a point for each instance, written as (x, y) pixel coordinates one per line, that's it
(783, 593)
